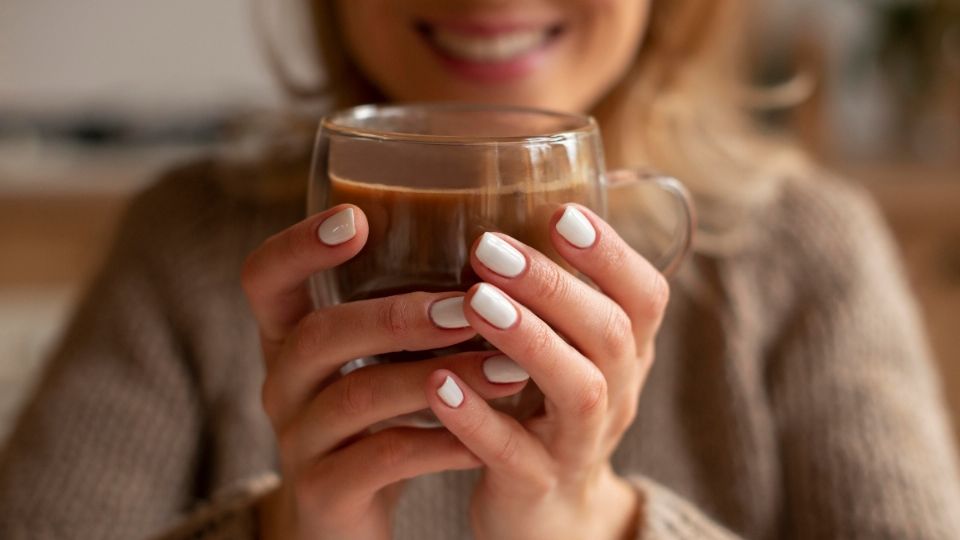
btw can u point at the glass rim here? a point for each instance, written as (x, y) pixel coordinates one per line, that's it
(579, 124)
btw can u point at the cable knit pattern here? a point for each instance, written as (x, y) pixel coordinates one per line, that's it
(792, 396)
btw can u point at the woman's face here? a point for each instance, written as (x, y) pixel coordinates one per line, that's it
(557, 54)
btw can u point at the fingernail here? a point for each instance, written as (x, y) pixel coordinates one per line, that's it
(501, 369)
(498, 255)
(494, 307)
(576, 228)
(448, 313)
(338, 228)
(450, 393)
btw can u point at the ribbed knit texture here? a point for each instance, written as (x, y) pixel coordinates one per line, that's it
(792, 395)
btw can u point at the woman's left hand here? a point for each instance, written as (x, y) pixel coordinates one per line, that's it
(550, 477)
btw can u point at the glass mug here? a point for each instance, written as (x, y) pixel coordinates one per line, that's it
(431, 178)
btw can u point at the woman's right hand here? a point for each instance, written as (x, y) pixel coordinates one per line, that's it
(339, 481)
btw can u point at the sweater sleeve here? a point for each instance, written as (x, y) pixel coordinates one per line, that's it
(865, 444)
(231, 516)
(666, 516)
(112, 443)
(107, 445)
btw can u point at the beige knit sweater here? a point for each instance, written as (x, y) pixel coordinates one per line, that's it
(792, 396)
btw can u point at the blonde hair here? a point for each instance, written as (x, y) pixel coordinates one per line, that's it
(680, 108)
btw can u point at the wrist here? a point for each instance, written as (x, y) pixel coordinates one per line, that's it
(617, 509)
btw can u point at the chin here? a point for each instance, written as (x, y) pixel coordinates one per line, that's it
(532, 96)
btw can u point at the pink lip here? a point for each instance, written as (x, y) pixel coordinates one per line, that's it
(490, 72)
(489, 26)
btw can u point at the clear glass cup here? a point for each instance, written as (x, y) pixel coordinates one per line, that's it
(432, 177)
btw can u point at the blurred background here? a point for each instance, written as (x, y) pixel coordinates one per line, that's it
(96, 99)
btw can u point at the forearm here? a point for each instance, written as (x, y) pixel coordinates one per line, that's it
(865, 447)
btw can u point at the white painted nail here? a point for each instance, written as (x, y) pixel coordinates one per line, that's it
(576, 228)
(448, 313)
(494, 307)
(450, 393)
(498, 255)
(501, 369)
(338, 228)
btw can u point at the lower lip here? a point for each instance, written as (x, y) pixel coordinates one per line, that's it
(495, 72)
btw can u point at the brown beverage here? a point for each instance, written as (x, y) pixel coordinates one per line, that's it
(431, 178)
(420, 239)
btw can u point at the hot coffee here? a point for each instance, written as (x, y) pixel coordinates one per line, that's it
(431, 178)
(420, 238)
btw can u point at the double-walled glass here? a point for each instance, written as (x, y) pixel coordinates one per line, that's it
(432, 178)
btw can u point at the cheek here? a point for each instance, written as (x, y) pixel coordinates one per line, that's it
(377, 37)
(607, 34)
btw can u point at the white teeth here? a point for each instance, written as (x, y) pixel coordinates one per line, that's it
(497, 48)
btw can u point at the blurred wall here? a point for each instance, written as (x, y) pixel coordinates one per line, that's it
(57, 54)
(153, 62)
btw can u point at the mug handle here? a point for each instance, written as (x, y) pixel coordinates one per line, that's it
(653, 213)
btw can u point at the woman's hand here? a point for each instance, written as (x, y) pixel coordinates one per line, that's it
(337, 482)
(550, 477)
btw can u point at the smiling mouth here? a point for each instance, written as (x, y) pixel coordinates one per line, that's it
(486, 45)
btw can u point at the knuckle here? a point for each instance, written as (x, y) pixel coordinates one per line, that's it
(537, 480)
(593, 396)
(617, 333)
(474, 427)
(625, 416)
(309, 336)
(508, 453)
(395, 316)
(539, 343)
(657, 296)
(356, 396)
(553, 280)
(542, 484)
(394, 450)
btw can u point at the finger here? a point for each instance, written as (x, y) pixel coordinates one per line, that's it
(326, 339)
(591, 246)
(573, 386)
(274, 275)
(353, 475)
(513, 455)
(598, 327)
(376, 393)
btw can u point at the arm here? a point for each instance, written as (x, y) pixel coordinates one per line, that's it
(110, 444)
(865, 445)
(866, 449)
(112, 429)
